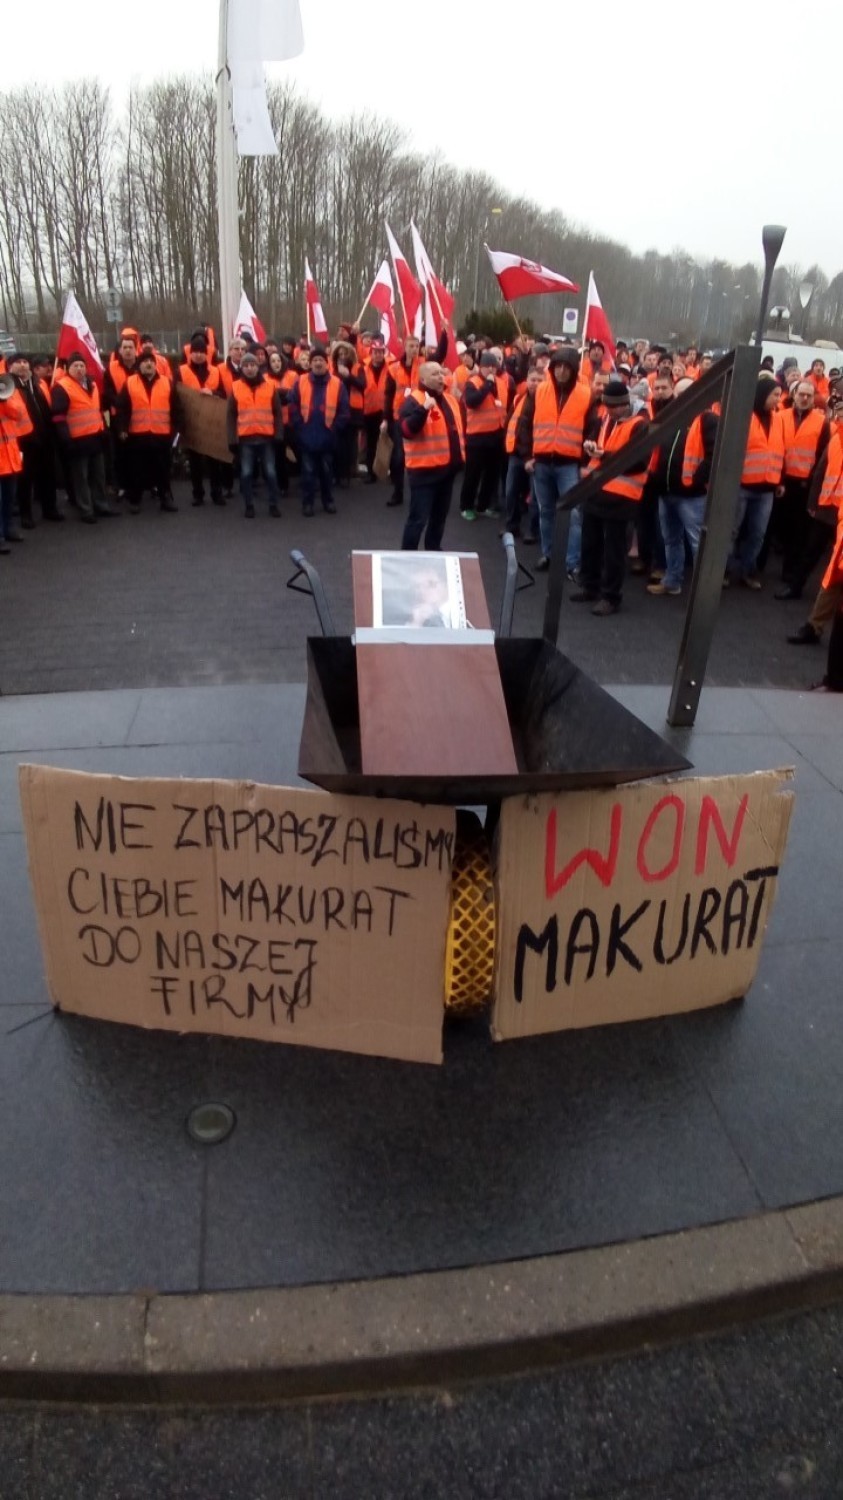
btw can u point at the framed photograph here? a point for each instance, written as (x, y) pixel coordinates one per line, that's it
(417, 591)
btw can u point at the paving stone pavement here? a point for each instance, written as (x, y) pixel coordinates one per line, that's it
(200, 597)
(753, 1415)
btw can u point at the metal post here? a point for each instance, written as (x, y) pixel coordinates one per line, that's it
(227, 203)
(772, 239)
(716, 537)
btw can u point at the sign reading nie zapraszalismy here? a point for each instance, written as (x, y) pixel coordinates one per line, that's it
(245, 910)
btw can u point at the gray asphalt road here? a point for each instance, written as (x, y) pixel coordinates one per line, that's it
(200, 597)
(753, 1415)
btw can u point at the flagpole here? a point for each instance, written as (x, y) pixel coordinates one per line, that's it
(358, 320)
(227, 206)
(515, 318)
(585, 316)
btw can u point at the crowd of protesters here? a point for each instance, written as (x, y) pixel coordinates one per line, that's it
(516, 427)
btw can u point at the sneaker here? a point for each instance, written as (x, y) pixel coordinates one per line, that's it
(493, 511)
(329, 508)
(249, 513)
(656, 575)
(583, 596)
(468, 515)
(542, 565)
(572, 575)
(657, 589)
(788, 592)
(605, 607)
(752, 581)
(395, 500)
(275, 512)
(806, 635)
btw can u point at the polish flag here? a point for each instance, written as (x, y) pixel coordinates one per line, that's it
(438, 302)
(75, 337)
(247, 321)
(596, 324)
(382, 297)
(317, 325)
(408, 288)
(518, 277)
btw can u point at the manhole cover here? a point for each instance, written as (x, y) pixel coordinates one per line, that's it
(208, 1124)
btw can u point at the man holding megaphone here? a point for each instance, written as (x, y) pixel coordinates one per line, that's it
(14, 424)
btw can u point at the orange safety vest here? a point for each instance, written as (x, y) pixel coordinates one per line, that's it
(431, 447)
(832, 485)
(373, 396)
(558, 431)
(628, 486)
(800, 443)
(822, 386)
(332, 396)
(118, 372)
(404, 381)
(150, 407)
(462, 375)
(356, 398)
(764, 455)
(832, 494)
(694, 453)
(487, 418)
(188, 377)
(84, 417)
(14, 424)
(255, 416)
(509, 440)
(286, 383)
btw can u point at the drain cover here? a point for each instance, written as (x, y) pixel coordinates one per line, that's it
(208, 1124)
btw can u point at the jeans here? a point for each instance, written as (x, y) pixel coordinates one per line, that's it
(316, 469)
(8, 487)
(430, 501)
(680, 516)
(550, 483)
(752, 511)
(248, 455)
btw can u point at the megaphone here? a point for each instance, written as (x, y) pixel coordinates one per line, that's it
(7, 387)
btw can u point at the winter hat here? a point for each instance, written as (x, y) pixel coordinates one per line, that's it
(488, 361)
(198, 344)
(615, 394)
(318, 351)
(566, 356)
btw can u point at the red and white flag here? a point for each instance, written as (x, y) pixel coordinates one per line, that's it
(438, 302)
(317, 326)
(247, 321)
(382, 297)
(518, 277)
(75, 337)
(408, 288)
(596, 324)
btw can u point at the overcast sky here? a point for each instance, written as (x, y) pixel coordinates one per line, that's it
(661, 125)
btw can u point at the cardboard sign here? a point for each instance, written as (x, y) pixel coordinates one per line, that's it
(203, 427)
(615, 905)
(243, 910)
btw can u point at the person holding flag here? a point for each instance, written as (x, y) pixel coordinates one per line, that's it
(80, 429)
(374, 401)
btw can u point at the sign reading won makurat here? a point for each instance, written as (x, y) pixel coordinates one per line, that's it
(615, 905)
(244, 910)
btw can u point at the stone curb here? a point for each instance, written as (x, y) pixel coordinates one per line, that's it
(426, 1329)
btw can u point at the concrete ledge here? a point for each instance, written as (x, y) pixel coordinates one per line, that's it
(423, 1329)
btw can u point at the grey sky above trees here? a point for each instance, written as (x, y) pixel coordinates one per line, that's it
(693, 139)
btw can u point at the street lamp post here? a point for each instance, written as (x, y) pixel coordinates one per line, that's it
(772, 239)
(493, 213)
(806, 292)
